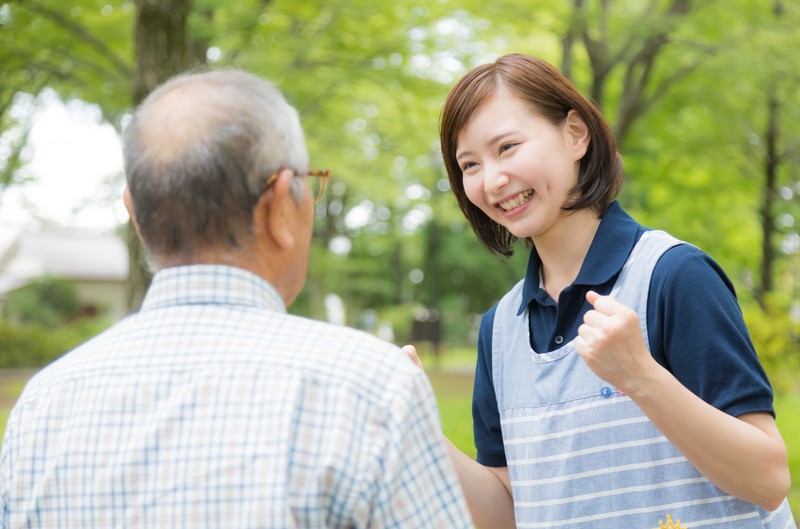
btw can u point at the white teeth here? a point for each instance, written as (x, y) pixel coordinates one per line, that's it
(516, 201)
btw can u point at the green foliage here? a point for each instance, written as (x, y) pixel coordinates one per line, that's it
(787, 411)
(776, 336)
(13, 138)
(370, 78)
(77, 48)
(47, 302)
(400, 318)
(33, 346)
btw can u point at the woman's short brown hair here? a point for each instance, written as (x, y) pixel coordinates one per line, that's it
(552, 96)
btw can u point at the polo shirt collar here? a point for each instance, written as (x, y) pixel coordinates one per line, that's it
(613, 242)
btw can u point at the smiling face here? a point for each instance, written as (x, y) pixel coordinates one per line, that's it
(517, 166)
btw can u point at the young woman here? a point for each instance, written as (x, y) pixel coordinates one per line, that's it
(616, 384)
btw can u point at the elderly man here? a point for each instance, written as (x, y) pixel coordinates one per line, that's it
(212, 407)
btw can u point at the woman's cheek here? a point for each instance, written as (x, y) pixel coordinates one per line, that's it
(473, 188)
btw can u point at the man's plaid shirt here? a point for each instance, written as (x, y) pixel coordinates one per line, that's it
(213, 408)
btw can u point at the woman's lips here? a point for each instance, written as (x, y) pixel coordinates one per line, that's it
(516, 200)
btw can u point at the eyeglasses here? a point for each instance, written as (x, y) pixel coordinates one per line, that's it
(317, 184)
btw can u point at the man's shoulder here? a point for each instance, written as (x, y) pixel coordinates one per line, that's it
(347, 339)
(346, 354)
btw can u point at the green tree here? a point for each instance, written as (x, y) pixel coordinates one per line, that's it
(42, 46)
(48, 302)
(678, 80)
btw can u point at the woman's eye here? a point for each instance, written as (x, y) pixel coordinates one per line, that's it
(467, 166)
(506, 146)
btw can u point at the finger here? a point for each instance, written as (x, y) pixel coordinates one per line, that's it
(591, 296)
(583, 346)
(594, 318)
(409, 349)
(411, 353)
(594, 331)
(607, 305)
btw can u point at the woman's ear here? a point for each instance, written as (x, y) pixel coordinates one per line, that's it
(578, 133)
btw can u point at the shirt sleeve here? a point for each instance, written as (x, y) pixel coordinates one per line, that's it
(417, 484)
(697, 331)
(485, 414)
(7, 455)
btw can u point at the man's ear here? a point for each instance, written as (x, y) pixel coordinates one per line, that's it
(578, 132)
(275, 212)
(127, 199)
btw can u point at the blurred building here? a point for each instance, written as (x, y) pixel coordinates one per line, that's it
(96, 263)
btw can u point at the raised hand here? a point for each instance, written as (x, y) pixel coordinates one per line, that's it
(610, 340)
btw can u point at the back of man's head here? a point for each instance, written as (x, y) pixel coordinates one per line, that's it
(197, 154)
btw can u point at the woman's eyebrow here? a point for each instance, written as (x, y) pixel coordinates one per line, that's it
(491, 141)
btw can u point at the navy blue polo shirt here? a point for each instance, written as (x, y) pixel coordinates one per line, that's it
(696, 328)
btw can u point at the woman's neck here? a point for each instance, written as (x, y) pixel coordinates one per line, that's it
(563, 249)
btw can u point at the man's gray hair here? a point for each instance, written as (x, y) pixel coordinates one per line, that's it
(198, 152)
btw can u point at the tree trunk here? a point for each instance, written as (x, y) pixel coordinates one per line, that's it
(161, 43)
(771, 162)
(568, 40)
(637, 54)
(162, 49)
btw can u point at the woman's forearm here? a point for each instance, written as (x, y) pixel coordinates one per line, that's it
(487, 490)
(744, 456)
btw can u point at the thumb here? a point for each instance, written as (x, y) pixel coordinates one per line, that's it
(607, 305)
(592, 297)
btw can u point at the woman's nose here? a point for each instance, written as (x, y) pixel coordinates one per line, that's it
(494, 178)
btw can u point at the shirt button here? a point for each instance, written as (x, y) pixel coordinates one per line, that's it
(605, 391)
(558, 339)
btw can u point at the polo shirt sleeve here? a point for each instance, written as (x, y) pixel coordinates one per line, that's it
(697, 331)
(485, 415)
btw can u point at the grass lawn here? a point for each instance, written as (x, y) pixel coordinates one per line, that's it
(11, 384)
(454, 396)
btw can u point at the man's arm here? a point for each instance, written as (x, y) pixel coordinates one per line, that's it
(416, 483)
(487, 489)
